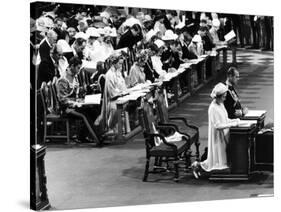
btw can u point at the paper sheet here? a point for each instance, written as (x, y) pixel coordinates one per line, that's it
(246, 123)
(230, 35)
(92, 99)
(255, 113)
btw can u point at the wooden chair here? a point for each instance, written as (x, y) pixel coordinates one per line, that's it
(164, 118)
(165, 152)
(51, 113)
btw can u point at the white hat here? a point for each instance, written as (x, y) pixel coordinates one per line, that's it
(101, 31)
(131, 21)
(216, 23)
(105, 14)
(180, 25)
(92, 32)
(81, 35)
(147, 18)
(169, 35)
(63, 46)
(159, 43)
(219, 89)
(43, 23)
(196, 38)
(150, 34)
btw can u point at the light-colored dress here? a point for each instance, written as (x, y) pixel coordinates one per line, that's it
(136, 75)
(114, 86)
(217, 138)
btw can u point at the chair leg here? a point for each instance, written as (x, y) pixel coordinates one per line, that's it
(187, 154)
(146, 169)
(67, 132)
(45, 130)
(176, 165)
(197, 144)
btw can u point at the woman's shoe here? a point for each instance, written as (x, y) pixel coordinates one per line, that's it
(195, 169)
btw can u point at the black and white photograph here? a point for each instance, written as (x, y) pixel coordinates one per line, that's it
(139, 106)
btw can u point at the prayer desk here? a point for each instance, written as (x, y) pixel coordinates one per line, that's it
(239, 153)
(124, 130)
(258, 115)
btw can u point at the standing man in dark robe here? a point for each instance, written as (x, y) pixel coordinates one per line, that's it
(232, 103)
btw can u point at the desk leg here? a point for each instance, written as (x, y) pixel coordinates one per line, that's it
(224, 52)
(214, 65)
(203, 71)
(121, 123)
(176, 89)
(234, 62)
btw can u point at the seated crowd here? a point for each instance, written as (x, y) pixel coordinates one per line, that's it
(62, 46)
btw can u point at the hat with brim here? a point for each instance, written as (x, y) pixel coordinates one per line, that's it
(147, 18)
(132, 21)
(180, 25)
(218, 90)
(169, 35)
(99, 24)
(105, 14)
(92, 32)
(150, 34)
(81, 35)
(196, 39)
(216, 23)
(63, 46)
(159, 43)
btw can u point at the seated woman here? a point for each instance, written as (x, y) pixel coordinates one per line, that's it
(157, 50)
(170, 56)
(196, 46)
(137, 74)
(68, 90)
(115, 87)
(218, 135)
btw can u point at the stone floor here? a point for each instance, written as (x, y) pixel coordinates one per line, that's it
(87, 177)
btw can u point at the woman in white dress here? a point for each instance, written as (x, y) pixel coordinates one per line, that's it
(218, 134)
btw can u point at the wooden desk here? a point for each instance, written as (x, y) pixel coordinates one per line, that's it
(125, 133)
(240, 154)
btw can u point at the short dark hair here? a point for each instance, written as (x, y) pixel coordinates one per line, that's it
(203, 28)
(136, 27)
(153, 47)
(75, 61)
(231, 71)
(80, 41)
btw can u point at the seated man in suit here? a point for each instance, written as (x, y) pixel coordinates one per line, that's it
(232, 103)
(68, 90)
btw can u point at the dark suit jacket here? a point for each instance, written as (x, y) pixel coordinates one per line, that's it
(44, 51)
(150, 74)
(170, 59)
(186, 54)
(46, 72)
(230, 104)
(128, 40)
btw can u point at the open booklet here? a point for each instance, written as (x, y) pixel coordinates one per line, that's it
(254, 113)
(246, 123)
(93, 99)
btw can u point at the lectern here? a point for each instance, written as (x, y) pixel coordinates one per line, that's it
(239, 153)
(38, 190)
